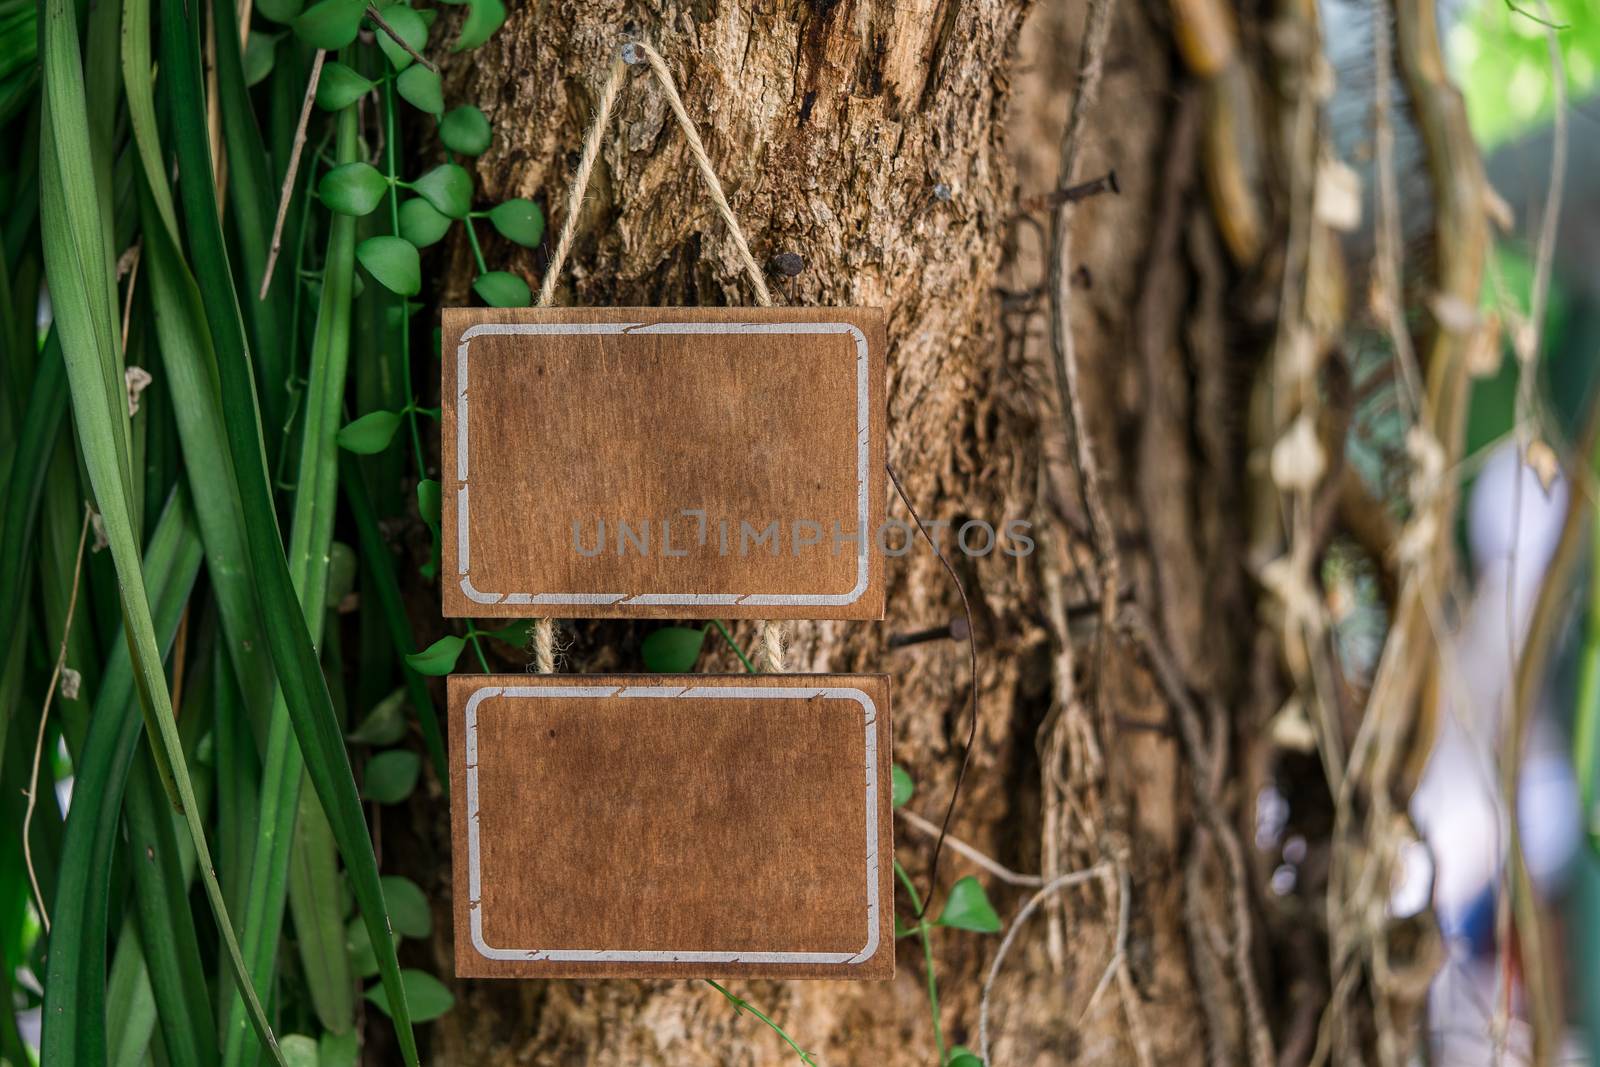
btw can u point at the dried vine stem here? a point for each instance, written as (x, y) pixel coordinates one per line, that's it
(1518, 897)
(44, 718)
(961, 848)
(1091, 68)
(1067, 721)
(1400, 703)
(972, 721)
(1218, 826)
(1052, 887)
(293, 172)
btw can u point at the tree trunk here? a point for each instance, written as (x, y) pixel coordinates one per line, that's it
(889, 145)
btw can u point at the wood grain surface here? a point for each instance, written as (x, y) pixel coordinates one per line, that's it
(663, 462)
(672, 826)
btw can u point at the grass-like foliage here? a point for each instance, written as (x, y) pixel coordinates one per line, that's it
(220, 367)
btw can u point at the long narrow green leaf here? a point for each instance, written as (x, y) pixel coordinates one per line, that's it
(191, 374)
(138, 79)
(60, 522)
(238, 784)
(75, 981)
(251, 200)
(130, 1002)
(315, 885)
(74, 228)
(310, 543)
(294, 656)
(130, 999)
(47, 405)
(380, 567)
(172, 951)
(314, 901)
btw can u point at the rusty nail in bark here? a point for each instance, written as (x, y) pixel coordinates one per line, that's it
(956, 631)
(1107, 182)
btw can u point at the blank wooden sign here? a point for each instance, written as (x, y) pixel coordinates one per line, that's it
(663, 462)
(672, 826)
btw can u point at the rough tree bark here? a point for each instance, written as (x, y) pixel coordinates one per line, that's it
(890, 144)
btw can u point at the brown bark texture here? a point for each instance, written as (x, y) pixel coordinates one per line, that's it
(894, 147)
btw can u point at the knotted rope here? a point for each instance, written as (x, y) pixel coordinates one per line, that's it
(769, 651)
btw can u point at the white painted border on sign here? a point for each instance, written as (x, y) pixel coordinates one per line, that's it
(475, 904)
(547, 329)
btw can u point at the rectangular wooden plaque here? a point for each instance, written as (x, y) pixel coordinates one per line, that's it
(672, 826)
(663, 462)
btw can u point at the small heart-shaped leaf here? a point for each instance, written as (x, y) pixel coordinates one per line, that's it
(283, 11)
(339, 1050)
(426, 996)
(409, 914)
(465, 130)
(963, 1057)
(420, 87)
(968, 908)
(393, 261)
(339, 87)
(447, 187)
(483, 18)
(520, 221)
(370, 434)
(385, 724)
(260, 53)
(672, 649)
(516, 635)
(411, 27)
(391, 776)
(353, 188)
(428, 502)
(299, 1050)
(358, 943)
(330, 24)
(903, 785)
(421, 223)
(428, 508)
(439, 657)
(502, 289)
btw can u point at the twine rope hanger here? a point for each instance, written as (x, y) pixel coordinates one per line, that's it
(769, 653)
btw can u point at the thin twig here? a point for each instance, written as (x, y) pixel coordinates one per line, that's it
(1138, 1033)
(1190, 730)
(44, 717)
(1091, 66)
(219, 157)
(1071, 878)
(960, 847)
(377, 20)
(293, 172)
(132, 255)
(972, 726)
(1516, 894)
